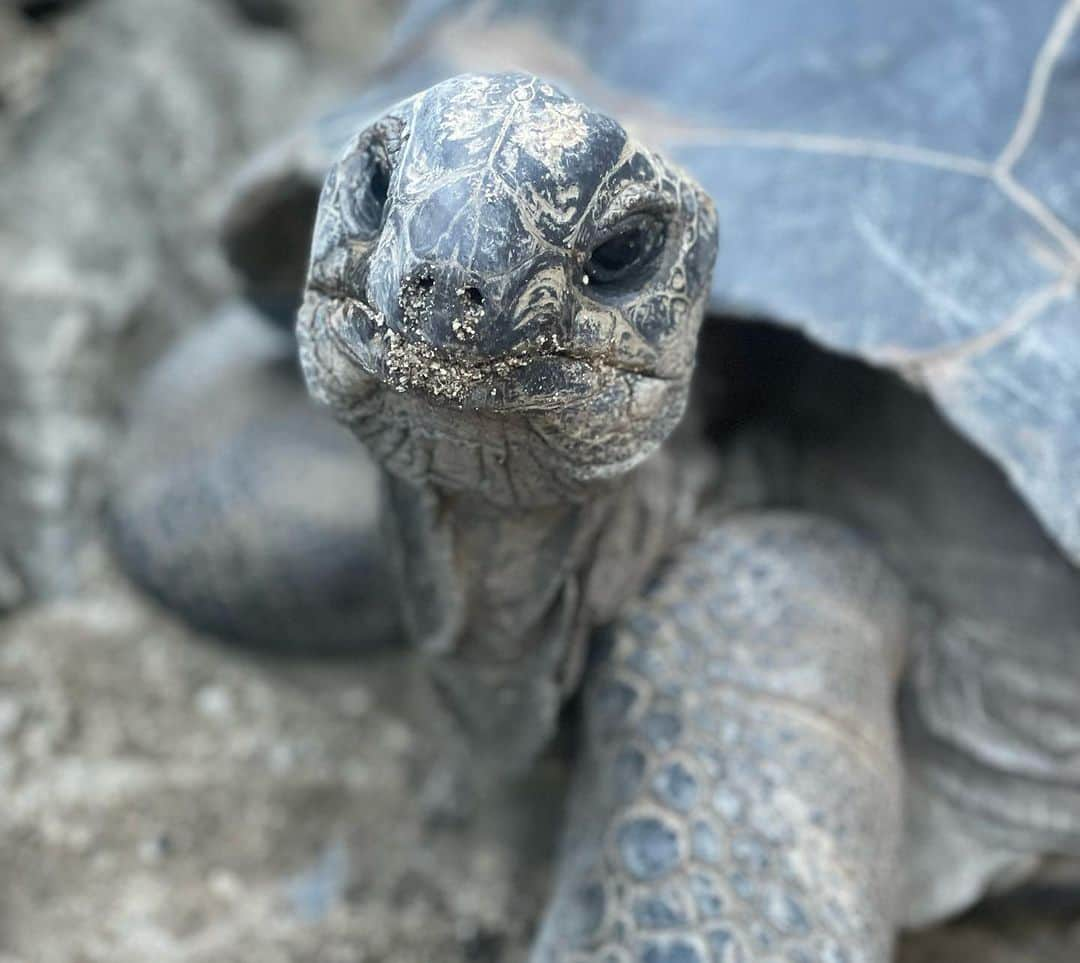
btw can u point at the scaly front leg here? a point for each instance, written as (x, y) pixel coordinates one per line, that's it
(739, 795)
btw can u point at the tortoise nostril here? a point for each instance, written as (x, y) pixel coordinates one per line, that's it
(475, 295)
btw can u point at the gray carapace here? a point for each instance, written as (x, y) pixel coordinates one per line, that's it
(906, 167)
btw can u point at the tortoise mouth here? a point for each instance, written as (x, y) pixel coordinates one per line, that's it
(540, 375)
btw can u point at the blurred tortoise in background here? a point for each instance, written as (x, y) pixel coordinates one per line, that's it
(834, 611)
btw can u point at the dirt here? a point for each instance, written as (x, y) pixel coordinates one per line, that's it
(170, 798)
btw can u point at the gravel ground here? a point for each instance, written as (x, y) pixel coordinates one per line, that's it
(166, 798)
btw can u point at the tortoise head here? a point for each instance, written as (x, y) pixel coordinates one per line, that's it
(505, 291)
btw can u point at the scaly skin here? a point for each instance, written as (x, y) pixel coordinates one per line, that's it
(739, 798)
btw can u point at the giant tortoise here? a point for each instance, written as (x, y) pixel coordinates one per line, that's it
(823, 595)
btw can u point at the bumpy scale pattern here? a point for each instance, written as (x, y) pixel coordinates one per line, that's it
(739, 799)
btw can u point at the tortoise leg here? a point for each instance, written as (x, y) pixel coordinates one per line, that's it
(243, 507)
(739, 797)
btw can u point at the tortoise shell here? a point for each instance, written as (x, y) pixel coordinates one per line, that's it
(901, 183)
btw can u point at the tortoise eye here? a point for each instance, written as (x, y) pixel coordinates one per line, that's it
(365, 180)
(379, 185)
(626, 257)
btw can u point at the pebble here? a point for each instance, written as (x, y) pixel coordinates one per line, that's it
(224, 885)
(214, 702)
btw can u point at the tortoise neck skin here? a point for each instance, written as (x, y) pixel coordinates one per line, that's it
(504, 600)
(502, 303)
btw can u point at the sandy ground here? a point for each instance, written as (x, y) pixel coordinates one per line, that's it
(166, 798)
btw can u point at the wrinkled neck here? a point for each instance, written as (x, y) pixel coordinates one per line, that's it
(506, 597)
(483, 580)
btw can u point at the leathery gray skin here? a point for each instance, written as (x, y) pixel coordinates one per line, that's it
(503, 304)
(508, 392)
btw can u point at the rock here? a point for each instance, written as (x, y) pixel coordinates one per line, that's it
(26, 55)
(136, 114)
(352, 33)
(144, 815)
